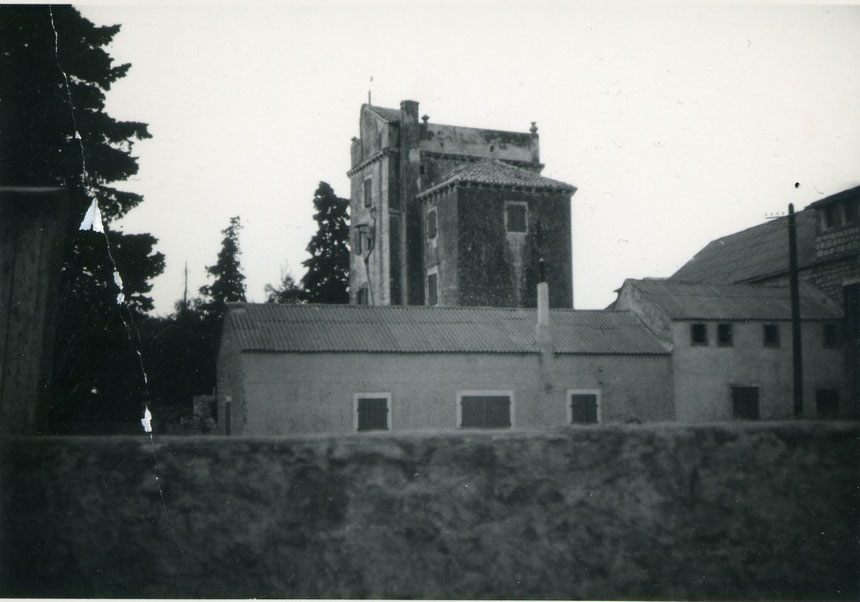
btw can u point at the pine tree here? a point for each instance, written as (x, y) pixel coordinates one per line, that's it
(288, 291)
(327, 276)
(54, 73)
(229, 284)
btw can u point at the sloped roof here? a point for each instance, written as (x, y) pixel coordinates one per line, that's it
(753, 253)
(492, 172)
(693, 301)
(386, 114)
(394, 329)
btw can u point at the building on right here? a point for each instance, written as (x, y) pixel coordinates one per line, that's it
(828, 253)
(731, 348)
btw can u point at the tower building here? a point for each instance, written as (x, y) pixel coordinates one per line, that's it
(453, 216)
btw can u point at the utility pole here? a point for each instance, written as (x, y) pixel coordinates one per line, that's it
(796, 355)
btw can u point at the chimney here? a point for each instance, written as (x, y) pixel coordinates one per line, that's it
(409, 111)
(543, 335)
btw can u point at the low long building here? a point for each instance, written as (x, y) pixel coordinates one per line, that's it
(293, 369)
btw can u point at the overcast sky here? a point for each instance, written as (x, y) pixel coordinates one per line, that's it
(677, 123)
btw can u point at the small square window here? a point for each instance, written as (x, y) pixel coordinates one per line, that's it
(770, 334)
(368, 192)
(432, 293)
(488, 411)
(361, 296)
(372, 412)
(699, 333)
(827, 403)
(431, 224)
(832, 335)
(583, 408)
(724, 335)
(745, 403)
(515, 217)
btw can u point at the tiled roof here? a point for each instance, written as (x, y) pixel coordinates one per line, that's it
(493, 172)
(386, 114)
(686, 301)
(393, 329)
(753, 253)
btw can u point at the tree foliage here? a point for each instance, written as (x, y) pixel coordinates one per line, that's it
(55, 72)
(229, 283)
(288, 291)
(327, 277)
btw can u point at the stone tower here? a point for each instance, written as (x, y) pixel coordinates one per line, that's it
(453, 216)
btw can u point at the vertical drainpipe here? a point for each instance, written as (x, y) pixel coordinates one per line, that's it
(796, 357)
(543, 335)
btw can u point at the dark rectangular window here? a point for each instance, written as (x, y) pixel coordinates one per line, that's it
(851, 299)
(368, 192)
(745, 403)
(724, 335)
(485, 411)
(516, 217)
(831, 216)
(361, 297)
(832, 338)
(583, 408)
(431, 224)
(827, 403)
(851, 211)
(698, 333)
(372, 414)
(432, 293)
(770, 335)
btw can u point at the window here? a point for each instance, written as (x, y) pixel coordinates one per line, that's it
(485, 409)
(827, 403)
(851, 300)
(431, 224)
(698, 333)
(832, 338)
(583, 407)
(368, 192)
(831, 216)
(770, 335)
(361, 296)
(850, 208)
(515, 217)
(432, 293)
(372, 411)
(744, 403)
(724, 335)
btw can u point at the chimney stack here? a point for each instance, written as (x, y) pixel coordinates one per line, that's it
(543, 335)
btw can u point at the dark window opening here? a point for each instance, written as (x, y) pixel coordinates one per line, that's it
(851, 300)
(485, 411)
(850, 208)
(372, 414)
(431, 224)
(361, 297)
(831, 216)
(368, 192)
(699, 333)
(745, 403)
(724, 335)
(832, 338)
(583, 408)
(492, 148)
(421, 170)
(516, 218)
(771, 335)
(432, 293)
(827, 403)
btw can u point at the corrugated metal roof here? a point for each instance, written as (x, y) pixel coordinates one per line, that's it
(351, 328)
(497, 173)
(686, 301)
(752, 253)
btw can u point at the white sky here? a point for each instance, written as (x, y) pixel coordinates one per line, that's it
(677, 123)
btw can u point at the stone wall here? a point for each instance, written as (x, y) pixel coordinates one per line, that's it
(752, 511)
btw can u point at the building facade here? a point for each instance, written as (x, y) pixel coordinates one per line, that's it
(448, 215)
(732, 352)
(303, 369)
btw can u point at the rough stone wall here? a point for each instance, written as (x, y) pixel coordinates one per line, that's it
(668, 512)
(487, 274)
